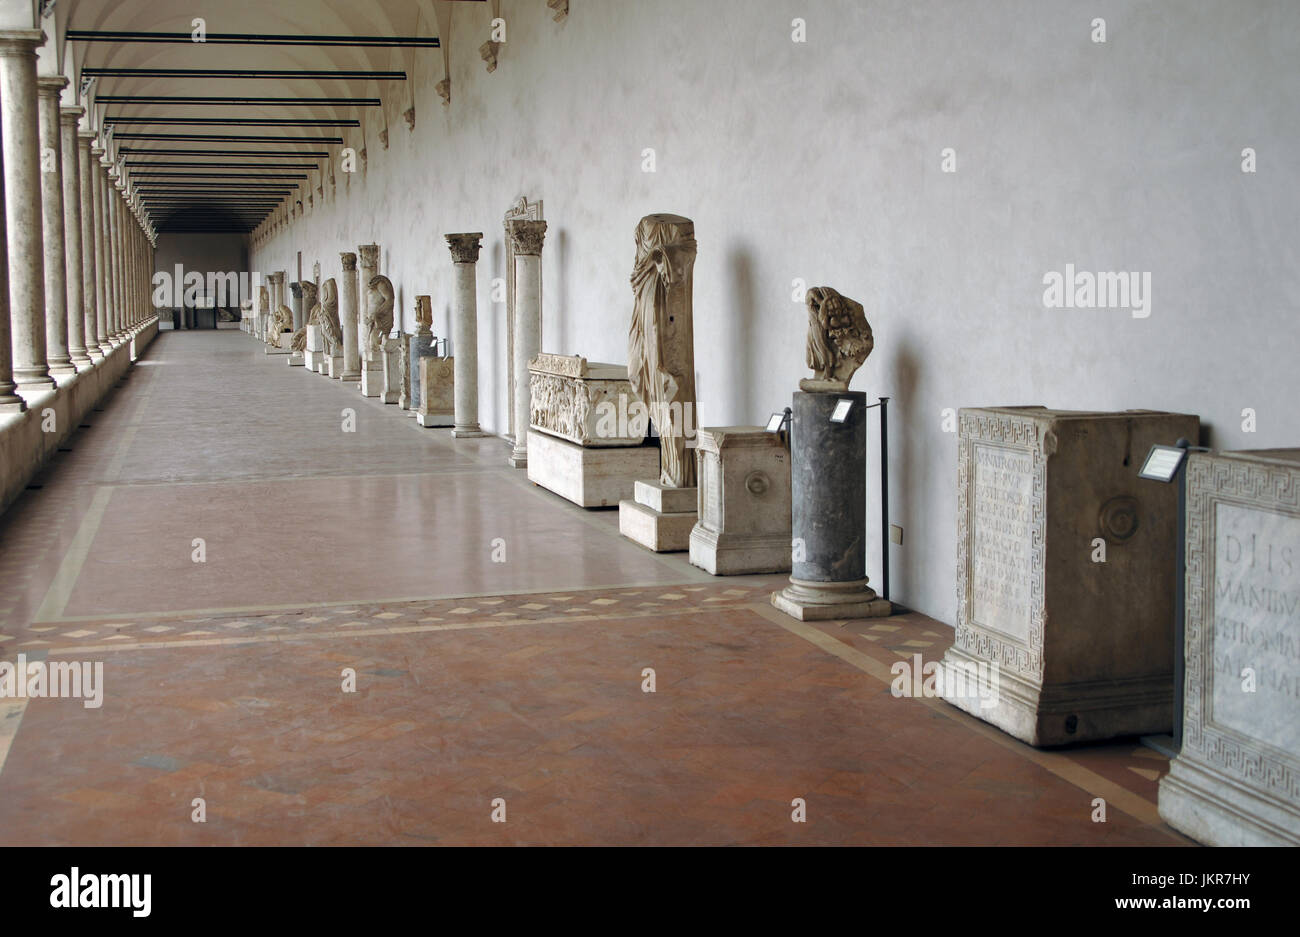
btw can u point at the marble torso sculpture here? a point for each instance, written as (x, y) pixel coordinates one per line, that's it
(839, 339)
(379, 315)
(423, 314)
(661, 341)
(281, 321)
(326, 315)
(299, 341)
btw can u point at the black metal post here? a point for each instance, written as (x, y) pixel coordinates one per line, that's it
(884, 495)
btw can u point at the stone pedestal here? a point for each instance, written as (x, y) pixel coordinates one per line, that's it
(419, 346)
(1236, 781)
(437, 392)
(661, 518)
(392, 363)
(315, 352)
(583, 407)
(334, 366)
(744, 482)
(372, 377)
(297, 359)
(281, 349)
(589, 477)
(828, 464)
(1065, 573)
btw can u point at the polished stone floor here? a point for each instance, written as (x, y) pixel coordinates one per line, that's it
(500, 639)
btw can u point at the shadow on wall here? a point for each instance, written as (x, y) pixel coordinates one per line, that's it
(903, 450)
(555, 331)
(743, 316)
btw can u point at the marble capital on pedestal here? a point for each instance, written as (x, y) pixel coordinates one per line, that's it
(526, 236)
(465, 247)
(464, 254)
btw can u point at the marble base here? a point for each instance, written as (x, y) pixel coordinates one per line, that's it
(589, 477)
(823, 601)
(314, 361)
(469, 432)
(297, 359)
(334, 366)
(272, 350)
(372, 379)
(722, 554)
(659, 530)
(392, 371)
(432, 420)
(1062, 713)
(1212, 810)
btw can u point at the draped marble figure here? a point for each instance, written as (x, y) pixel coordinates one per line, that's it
(326, 315)
(661, 341)
(379, 315)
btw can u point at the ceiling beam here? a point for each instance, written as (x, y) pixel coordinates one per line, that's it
(144, 166)
(234, 121)
(243, 73)
(184, 101)
(223, 138)
(252, 39)
(234, 154)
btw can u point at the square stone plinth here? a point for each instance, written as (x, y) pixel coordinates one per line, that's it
(665, 499)
(662, 533)
(588, 476)
(372, 378)
(744, 483)
(1065, 572)
(437, 380)
(296, 359)
(1236, 779)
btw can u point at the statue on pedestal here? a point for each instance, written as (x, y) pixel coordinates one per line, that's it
(661, 341)
(326, 315)
(379, 315)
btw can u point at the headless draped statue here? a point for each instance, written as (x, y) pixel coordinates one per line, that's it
(326, 317)
(661, 341)
(379, 315)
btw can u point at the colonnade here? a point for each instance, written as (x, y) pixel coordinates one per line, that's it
(76, 269)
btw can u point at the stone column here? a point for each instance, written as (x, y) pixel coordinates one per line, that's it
(369, 254)
(10, 402)
(526, 237)
(104, 298)
(114, 192)
(464, 255)
(22, 183)
(72, 270)
(349, 319)
(90, 303)
(55, 262)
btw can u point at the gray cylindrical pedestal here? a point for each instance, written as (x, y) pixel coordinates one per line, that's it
(828, 463)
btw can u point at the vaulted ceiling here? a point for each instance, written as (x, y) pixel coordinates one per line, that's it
(216, 134)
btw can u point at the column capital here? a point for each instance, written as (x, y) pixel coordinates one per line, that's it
(526, 236)
(71, 114)
(296, 289)
(349, 260)
(21, 41)
(369, 255)
(48, 85)
(464, 247)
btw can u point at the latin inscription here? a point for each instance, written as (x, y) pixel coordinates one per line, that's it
(1256, 640)
(1001, 546)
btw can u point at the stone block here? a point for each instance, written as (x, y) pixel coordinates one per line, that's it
(437, 392)
(588, 476)
(584, 402)
(1083, 645)
(662, 533)
(744, 503)
(1236, 779)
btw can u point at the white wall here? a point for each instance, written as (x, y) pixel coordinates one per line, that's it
(822, 161)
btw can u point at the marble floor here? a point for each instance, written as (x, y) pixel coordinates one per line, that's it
(500, 639)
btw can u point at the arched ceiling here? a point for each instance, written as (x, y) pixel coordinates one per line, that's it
(215, 135)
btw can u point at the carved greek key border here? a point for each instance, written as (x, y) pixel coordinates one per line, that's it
(985, 643)
(1211, 481)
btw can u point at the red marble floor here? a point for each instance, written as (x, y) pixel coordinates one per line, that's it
(520, 683)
